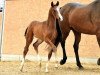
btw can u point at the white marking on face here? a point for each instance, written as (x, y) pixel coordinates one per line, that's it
(59, 14)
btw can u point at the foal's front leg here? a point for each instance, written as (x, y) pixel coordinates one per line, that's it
(55, 57)
(56, 62)
(50, 53)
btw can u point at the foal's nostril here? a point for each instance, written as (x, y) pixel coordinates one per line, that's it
(61, 19)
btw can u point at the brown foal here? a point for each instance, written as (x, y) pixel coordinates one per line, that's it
(44, 31)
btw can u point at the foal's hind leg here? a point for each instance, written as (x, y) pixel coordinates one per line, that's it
(28, 42)
(35, 45)
(76, 47)
(98, 39)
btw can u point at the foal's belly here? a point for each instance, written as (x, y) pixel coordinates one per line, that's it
(38, 32)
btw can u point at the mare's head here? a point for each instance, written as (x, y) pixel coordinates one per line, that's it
(55, 11)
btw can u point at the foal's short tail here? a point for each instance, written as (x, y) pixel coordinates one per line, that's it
(25, 31)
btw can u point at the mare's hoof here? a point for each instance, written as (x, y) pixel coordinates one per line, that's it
(98, 61)
(81, 68)
(62, 62)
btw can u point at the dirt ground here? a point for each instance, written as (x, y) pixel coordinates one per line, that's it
(18, 15)
(32, 68)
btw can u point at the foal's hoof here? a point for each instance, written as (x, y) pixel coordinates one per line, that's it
(40, 65)
(46, 71)
(56, 66)
(98, 61)
(21, 69)
(62, 62)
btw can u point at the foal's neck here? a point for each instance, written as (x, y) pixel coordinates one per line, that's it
(51, 21)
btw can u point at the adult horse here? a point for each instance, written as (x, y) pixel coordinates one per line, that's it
(44, 31)
(80, 19)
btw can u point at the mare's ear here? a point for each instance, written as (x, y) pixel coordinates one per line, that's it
(52, 4)
(57, 3)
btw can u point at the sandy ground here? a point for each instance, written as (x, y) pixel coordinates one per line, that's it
(32, 68)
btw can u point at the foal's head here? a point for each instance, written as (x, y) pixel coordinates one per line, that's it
(55, 10)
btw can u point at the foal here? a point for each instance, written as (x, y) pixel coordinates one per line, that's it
(44, 31)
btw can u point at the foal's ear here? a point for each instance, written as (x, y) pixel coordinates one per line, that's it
(57, 3)
(52, 4)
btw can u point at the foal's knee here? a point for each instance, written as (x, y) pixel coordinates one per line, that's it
(50, 54)
(25, 50)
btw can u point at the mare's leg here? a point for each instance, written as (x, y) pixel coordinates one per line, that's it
(29, 39)
(98, 39)
(76, 47)
(63, 48)
(35, 45)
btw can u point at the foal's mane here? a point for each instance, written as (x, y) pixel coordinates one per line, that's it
(59, 33)
(49, 15)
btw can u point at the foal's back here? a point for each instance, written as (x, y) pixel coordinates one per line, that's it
(37, 28)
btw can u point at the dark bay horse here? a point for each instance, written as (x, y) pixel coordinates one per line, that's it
(44, 31)
(80, 19)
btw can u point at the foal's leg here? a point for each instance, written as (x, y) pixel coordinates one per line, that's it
(28, 42)
(35, 45)
(56, 62)
(55, 55)
(76, 47)
(50, 53)
(55, 58)
(98, 39)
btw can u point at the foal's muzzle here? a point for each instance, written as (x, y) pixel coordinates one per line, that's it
(61, 18)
